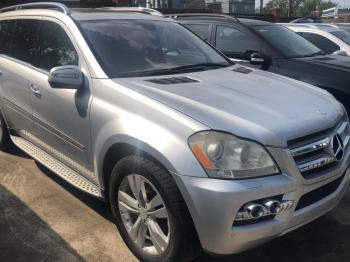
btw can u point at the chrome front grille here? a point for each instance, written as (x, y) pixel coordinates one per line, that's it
(321, 151)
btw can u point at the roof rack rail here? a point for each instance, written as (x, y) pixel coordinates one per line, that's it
(40, 5)
(142, 10)
(223, 16)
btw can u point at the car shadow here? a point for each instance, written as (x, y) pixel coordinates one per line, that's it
(99, 206)
(14, 151)
(26, 237)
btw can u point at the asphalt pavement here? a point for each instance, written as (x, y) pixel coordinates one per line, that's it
(42, 218)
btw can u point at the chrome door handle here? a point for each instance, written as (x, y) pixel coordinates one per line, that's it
(35, 90)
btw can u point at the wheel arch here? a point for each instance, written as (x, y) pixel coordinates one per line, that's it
(121, 148)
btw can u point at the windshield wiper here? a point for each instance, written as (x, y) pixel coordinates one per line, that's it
(174, 70)
(200, 66)
(313, 54)
(318, 53)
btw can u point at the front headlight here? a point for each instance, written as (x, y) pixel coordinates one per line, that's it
(225, 156)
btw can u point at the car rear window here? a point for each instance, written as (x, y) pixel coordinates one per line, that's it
(24, 42)
(6, 27)
(343, 35)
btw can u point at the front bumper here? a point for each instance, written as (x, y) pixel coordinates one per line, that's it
(214, 203)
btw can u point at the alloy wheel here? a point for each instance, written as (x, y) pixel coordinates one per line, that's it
(144, 214)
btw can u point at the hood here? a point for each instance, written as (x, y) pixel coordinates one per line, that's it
(249, 103)
(332, 61)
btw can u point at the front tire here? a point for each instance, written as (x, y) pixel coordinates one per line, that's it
(150, 212)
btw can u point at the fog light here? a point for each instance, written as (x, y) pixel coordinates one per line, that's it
(273, 206)
(255, 210)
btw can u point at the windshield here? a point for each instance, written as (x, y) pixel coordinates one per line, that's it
(343, 35)
(290, 44)
(128, 48)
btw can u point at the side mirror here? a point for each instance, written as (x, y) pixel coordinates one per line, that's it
(66, 77)
(340, 52)
(259, 58)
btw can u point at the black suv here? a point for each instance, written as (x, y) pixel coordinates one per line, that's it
(274, 48)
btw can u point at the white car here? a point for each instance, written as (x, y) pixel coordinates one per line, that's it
(344, 26)
(329, 38)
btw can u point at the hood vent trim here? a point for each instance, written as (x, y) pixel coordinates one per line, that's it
(243, 70)
(173, 80)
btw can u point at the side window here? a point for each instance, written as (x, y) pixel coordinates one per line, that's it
(201, 30)
(321, 42)
(56, 49)
(235, 43)
(6, 28)
(24, 43)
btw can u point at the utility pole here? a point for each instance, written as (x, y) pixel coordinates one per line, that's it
(261, 6)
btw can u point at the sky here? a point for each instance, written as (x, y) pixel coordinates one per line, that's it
(342, 2)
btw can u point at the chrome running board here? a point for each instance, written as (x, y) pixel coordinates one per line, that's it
(57, 167)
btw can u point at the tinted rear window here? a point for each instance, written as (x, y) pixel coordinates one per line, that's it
(321, 42)
(24, 43)
(6, 28)
(343, 35)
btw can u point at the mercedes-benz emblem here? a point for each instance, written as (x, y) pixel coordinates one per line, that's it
(337, 147)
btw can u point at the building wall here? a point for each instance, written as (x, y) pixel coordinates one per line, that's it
(242, 7)
(234, 6)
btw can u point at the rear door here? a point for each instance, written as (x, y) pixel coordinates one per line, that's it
(17, 60)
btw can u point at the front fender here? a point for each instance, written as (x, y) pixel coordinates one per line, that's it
(167, 145)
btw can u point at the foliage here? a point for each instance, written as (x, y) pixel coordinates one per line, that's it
(311, 5)
(298, 7)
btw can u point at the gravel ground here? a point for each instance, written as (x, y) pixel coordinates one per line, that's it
(42, 218)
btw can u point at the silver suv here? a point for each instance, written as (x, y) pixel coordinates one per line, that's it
(192, 151)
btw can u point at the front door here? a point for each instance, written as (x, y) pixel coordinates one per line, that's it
(61, 116)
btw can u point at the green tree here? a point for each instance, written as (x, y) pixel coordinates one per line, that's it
(298, 7)
(308, 6)
(284, 6)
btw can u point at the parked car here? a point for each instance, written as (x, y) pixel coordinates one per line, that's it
(274, 48)
(315, 20)
(344, 26)
(191, 150)
(329, 38)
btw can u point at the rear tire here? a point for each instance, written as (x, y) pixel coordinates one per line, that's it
(5, 140)
(174, 224)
